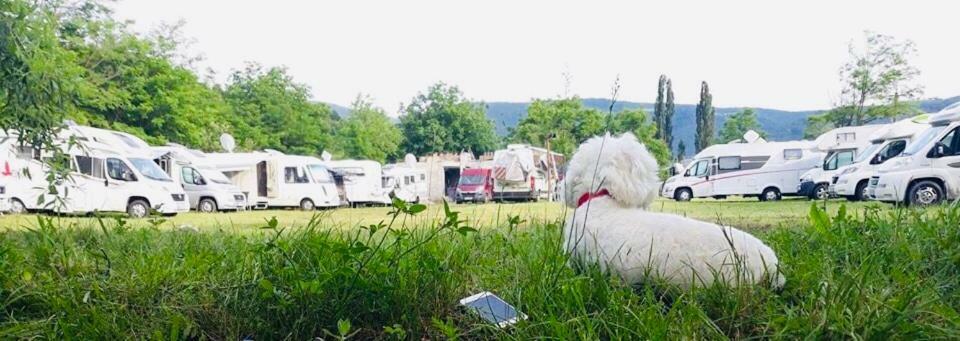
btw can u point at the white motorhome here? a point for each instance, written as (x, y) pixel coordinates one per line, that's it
(851, 181)
(841, 146)
(208, 189)
(767, 170)
(274, 179)
(928, 171)
(523, 172)
(406, 183)
(362, 181)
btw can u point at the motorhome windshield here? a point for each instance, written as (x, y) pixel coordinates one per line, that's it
(320, 174)
(215, 176)
(471, 180)
(868, 153)
(150, 169)
(921, 141)
(838, 159)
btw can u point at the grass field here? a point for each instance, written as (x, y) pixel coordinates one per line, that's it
(854, 271)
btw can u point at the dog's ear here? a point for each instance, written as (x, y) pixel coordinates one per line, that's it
(631, 173)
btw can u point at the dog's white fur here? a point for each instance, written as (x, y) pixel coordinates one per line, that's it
(618, 234)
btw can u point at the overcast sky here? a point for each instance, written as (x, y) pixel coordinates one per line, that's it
(752, 53)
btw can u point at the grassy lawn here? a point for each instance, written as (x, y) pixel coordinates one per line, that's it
(745, 213)
(861, 272)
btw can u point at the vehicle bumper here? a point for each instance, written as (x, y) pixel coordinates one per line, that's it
(666, 191)
(513, 195)
(4, 203)
(471, 196)
(891, 187)
(806, 188)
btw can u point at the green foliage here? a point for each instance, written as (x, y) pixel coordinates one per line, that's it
(566, 122)
(663, 111)
(442, 120)
(635, 121)
(368, 133)
(271, 110)
(738, 124)
(705, 119)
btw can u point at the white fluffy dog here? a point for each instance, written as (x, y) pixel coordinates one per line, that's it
(610, 181)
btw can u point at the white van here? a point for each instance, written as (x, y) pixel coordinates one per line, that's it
(362, 181)
(841, 146)
(928, 171)
(406, 183)
(273, 179)
(767, 170)
(523, 172)
(207, 188)
(851, 181)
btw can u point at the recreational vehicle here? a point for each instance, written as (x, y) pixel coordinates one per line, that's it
(207, 188)
(767, 170)
(406, 183)
(522, 172)
(851, 181)
(273, 179)
(928, 171)
(362, 181)
(841, 146)
(475, 185)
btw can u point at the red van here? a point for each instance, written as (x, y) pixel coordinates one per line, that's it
(475, 185)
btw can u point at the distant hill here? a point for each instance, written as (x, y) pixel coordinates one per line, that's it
(780, 125)
(341, 111)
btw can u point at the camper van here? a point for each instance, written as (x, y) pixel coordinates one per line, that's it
(475, 185)
(851, 181)
(928, 171)
(405, 183)
(767, 170)
(841, 146)
(362, 181)
(522, 172)
(207, 188)
(102, 179)
(273, 179)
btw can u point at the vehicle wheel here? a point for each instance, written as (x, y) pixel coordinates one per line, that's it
(207, 205)
(138, 209)
(924, 193)
(17, 206)
(860, 192)
(683, 194)
(307, 205)
(770, 194)
(819, 192)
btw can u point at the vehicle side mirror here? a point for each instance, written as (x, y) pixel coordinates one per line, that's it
(106, 182)
(878, 159)
(941, 150)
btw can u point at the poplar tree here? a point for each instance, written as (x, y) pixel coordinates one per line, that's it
(705, 114)
(659, 109)
(668, 115)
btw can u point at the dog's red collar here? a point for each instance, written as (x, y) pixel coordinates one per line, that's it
(590, 196)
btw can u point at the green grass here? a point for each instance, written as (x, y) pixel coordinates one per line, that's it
(857, 272)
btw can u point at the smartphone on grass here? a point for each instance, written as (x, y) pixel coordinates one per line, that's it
(493, 309)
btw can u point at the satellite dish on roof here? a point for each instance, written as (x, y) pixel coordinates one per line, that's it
(410, 160)
(751, 136)
(227, 142)
(326, 156)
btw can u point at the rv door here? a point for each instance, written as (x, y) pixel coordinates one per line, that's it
(702, 186)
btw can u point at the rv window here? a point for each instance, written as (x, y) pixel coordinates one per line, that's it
(792, 154)
(27, 152)
(423, 177)
(295, 175)
(893, 149)
(699, 169)
(728, 163)
(320, 174)
(90, 166)
(950, 142)
(191, 176)
(839, 159)
(846, 137)
(118, 170)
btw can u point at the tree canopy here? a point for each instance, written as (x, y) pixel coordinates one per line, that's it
(368, 133)
(443, 120)
(738, 124)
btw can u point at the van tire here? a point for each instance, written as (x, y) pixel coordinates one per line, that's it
(860, 192)
(138, 208)
(819, 192)
(770, 194)
(207, 205)
(17, 206)
(683, 194)
(924, 193)
(307, 205)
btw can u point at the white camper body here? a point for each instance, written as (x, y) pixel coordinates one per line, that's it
(406, 183)
(841, 146)
(208, 189)
(852, 180)
(362, 181)
(522, 172)
(928, 171)
(274, 179)
(768, 170)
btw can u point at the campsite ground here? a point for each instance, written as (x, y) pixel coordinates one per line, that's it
(747, 213)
